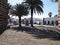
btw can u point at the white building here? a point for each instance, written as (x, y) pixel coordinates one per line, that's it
(13, 19)
(50, 21)
(44, 21)
(35, 20)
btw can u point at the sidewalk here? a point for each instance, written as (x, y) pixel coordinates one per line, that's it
(29, 36)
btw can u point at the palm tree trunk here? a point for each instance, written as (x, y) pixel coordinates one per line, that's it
(31, 17)
(19, 21)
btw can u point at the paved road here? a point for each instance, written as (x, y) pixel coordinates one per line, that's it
(29, 36)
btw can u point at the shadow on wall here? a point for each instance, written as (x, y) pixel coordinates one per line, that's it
(1, 31)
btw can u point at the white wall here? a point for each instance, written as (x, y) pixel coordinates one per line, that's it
(51, 19)
(34, 20)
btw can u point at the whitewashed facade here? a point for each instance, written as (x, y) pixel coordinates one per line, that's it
(50, 21)
(35, 20)
(44, 21)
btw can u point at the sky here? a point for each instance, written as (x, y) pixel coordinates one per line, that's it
(49, 6)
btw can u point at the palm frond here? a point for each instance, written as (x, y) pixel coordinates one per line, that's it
(21, 10)
(39, 9)
(36, 4)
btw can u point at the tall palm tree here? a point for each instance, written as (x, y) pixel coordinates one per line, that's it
(34, 6)
(20, 11)
(56, 15)
(9, 7)
(50, 14)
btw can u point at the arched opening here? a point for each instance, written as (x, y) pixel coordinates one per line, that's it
(48, 22)
(56, 22)
(52, 23)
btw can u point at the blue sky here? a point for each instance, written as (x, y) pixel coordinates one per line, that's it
(49, 6)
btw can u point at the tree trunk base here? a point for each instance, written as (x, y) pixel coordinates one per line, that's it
(19, 25)
(32, 26)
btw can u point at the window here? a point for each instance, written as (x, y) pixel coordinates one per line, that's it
(56, 22)
(52, 23)
(44, 22)
(48, 22)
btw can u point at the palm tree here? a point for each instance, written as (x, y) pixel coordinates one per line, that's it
(9, 6)
(20, 11)
(34, 6)
(50, 14)
(56, 15)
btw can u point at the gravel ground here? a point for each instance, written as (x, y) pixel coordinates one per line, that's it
(29, 36)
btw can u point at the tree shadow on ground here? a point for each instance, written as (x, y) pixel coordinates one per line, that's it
(39, 33)
(1, 31)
